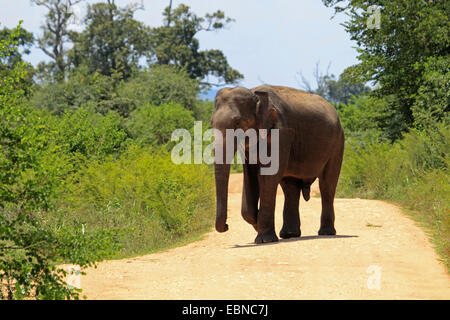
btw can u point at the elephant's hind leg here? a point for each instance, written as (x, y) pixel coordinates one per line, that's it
(327, 184)
(291, 216)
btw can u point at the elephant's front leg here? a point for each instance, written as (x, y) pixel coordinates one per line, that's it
(266, 215)
(250, 194)
(280, 147)
(291, 215)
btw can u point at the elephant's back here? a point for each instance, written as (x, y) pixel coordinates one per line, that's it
(303, 106)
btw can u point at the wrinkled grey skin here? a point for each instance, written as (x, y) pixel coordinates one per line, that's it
(311, 146)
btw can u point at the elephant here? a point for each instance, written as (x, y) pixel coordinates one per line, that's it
(311, 145)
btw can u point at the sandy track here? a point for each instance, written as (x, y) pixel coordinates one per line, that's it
(378, 253)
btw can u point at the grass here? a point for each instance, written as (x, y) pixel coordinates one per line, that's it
(370, 225)
(146, 201)
(437, 231)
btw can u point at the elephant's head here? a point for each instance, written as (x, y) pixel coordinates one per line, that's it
(236, 108)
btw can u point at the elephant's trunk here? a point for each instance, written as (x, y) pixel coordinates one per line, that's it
(222, 175)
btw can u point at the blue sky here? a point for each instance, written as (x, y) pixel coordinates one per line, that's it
(270, 41)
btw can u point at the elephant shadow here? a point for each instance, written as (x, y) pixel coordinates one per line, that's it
(303, 238)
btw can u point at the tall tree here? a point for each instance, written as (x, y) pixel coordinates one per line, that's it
(396, 53)
(112, 42)
(175, 43)
(55, 32)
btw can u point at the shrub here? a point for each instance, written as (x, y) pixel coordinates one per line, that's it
(90, 134)
(160, 84)
(432, 101)
(153, 125)
(203, 111)
(429, 198)
(30, 252)
(30, 165)
(92, 91)
(148, 200)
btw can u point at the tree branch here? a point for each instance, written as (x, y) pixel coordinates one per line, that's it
(169, 14)
(50, 54)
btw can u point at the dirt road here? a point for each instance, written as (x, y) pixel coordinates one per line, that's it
(378, 254)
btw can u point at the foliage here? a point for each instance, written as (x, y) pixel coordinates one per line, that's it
(203, 111)
(30, 167)
(100, 93)
(149, 200)
(367, 118)
(341, 91)
(74, 186)
(30, 251)
(153, 125)
(113, 41)
(358, 114)
(432, 102)
(175, 44)
(91, 135)
(92, 91)
(22, 39)
(20, 131)
(19, 42)
(159, 85)
(396, 55)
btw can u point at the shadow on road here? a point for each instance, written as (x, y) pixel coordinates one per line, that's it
(293, 239)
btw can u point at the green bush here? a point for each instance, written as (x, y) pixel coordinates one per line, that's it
(150, 202)
(203, 111)
(31, 167)
(90, 134)
(432, 101)
(153, 125)
(31, 250)
(429, 198)
(99, 93)
(358, 114)
(160, 84)
(93, 91)
(370, 118)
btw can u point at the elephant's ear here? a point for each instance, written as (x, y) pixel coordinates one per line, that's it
(266, 114)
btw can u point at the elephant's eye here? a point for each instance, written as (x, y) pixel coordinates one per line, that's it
(236, 121)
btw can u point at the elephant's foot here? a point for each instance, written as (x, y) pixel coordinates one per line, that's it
(285, 233)
(266, 237)
(327, 231)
